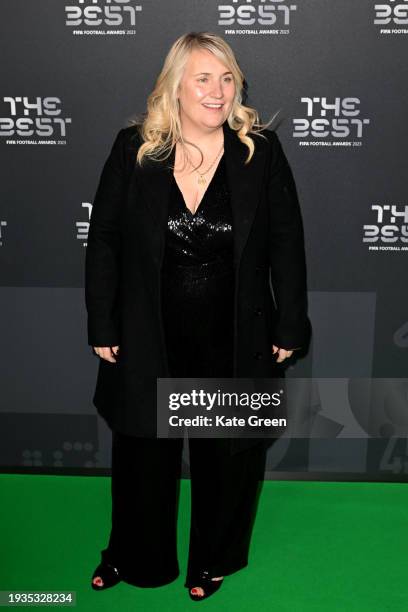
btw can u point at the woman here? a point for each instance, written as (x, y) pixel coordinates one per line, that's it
(194, 210)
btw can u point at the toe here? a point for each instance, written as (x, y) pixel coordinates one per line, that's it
(197, 591)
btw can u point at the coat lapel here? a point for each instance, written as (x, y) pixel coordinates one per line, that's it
(244, 182)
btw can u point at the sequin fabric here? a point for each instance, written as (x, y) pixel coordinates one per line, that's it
(198, 282)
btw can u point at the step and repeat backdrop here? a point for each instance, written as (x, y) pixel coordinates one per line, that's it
(72, 74)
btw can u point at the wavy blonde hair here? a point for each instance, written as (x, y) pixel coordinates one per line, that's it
(160, 126)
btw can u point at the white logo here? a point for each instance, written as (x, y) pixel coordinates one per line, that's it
(105, 17)
(326, 119)
(389, 232)
(392, 13)
(39, 117)
(256, 17)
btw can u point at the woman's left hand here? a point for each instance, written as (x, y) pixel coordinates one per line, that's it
(283, 353)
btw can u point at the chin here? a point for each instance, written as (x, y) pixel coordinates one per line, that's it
(214, 122)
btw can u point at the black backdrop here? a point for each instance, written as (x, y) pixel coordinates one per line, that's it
(73, 74)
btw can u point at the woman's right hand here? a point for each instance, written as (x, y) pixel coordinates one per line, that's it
(107, 352)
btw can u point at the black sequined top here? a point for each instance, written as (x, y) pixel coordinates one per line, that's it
(198, 282)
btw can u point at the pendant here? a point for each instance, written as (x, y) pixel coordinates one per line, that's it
(201, 181)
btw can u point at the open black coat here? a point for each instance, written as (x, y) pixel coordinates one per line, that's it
(124, 256)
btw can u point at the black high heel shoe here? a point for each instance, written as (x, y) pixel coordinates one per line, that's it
(208, 585)
(109, 575)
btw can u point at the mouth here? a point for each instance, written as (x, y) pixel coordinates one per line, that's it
(213, 107)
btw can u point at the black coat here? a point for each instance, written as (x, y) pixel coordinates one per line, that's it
(122, 272)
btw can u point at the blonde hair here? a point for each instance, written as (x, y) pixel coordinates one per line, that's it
(160, 126)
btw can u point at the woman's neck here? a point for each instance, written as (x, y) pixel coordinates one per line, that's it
(205, 139)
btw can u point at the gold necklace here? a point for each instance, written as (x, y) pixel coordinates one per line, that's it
(202, 180)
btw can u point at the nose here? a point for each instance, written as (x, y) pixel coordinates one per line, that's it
(216, 90)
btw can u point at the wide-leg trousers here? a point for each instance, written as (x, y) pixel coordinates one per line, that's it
(145, 483)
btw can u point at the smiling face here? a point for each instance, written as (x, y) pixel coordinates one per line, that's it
(206, 91)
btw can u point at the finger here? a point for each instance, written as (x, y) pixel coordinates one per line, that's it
(276, 349)
(105, 352)
(99, 350)
(283, 354)
(288, 351)
(109, 355)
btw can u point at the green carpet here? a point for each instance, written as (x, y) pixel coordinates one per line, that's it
(321, 546)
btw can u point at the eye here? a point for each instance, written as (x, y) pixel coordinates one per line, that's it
(202, 79)
(229, 79)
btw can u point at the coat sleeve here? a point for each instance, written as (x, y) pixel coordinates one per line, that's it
(103, 250)
(286, 252)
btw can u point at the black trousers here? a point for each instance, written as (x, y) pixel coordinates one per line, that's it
(145, 492)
